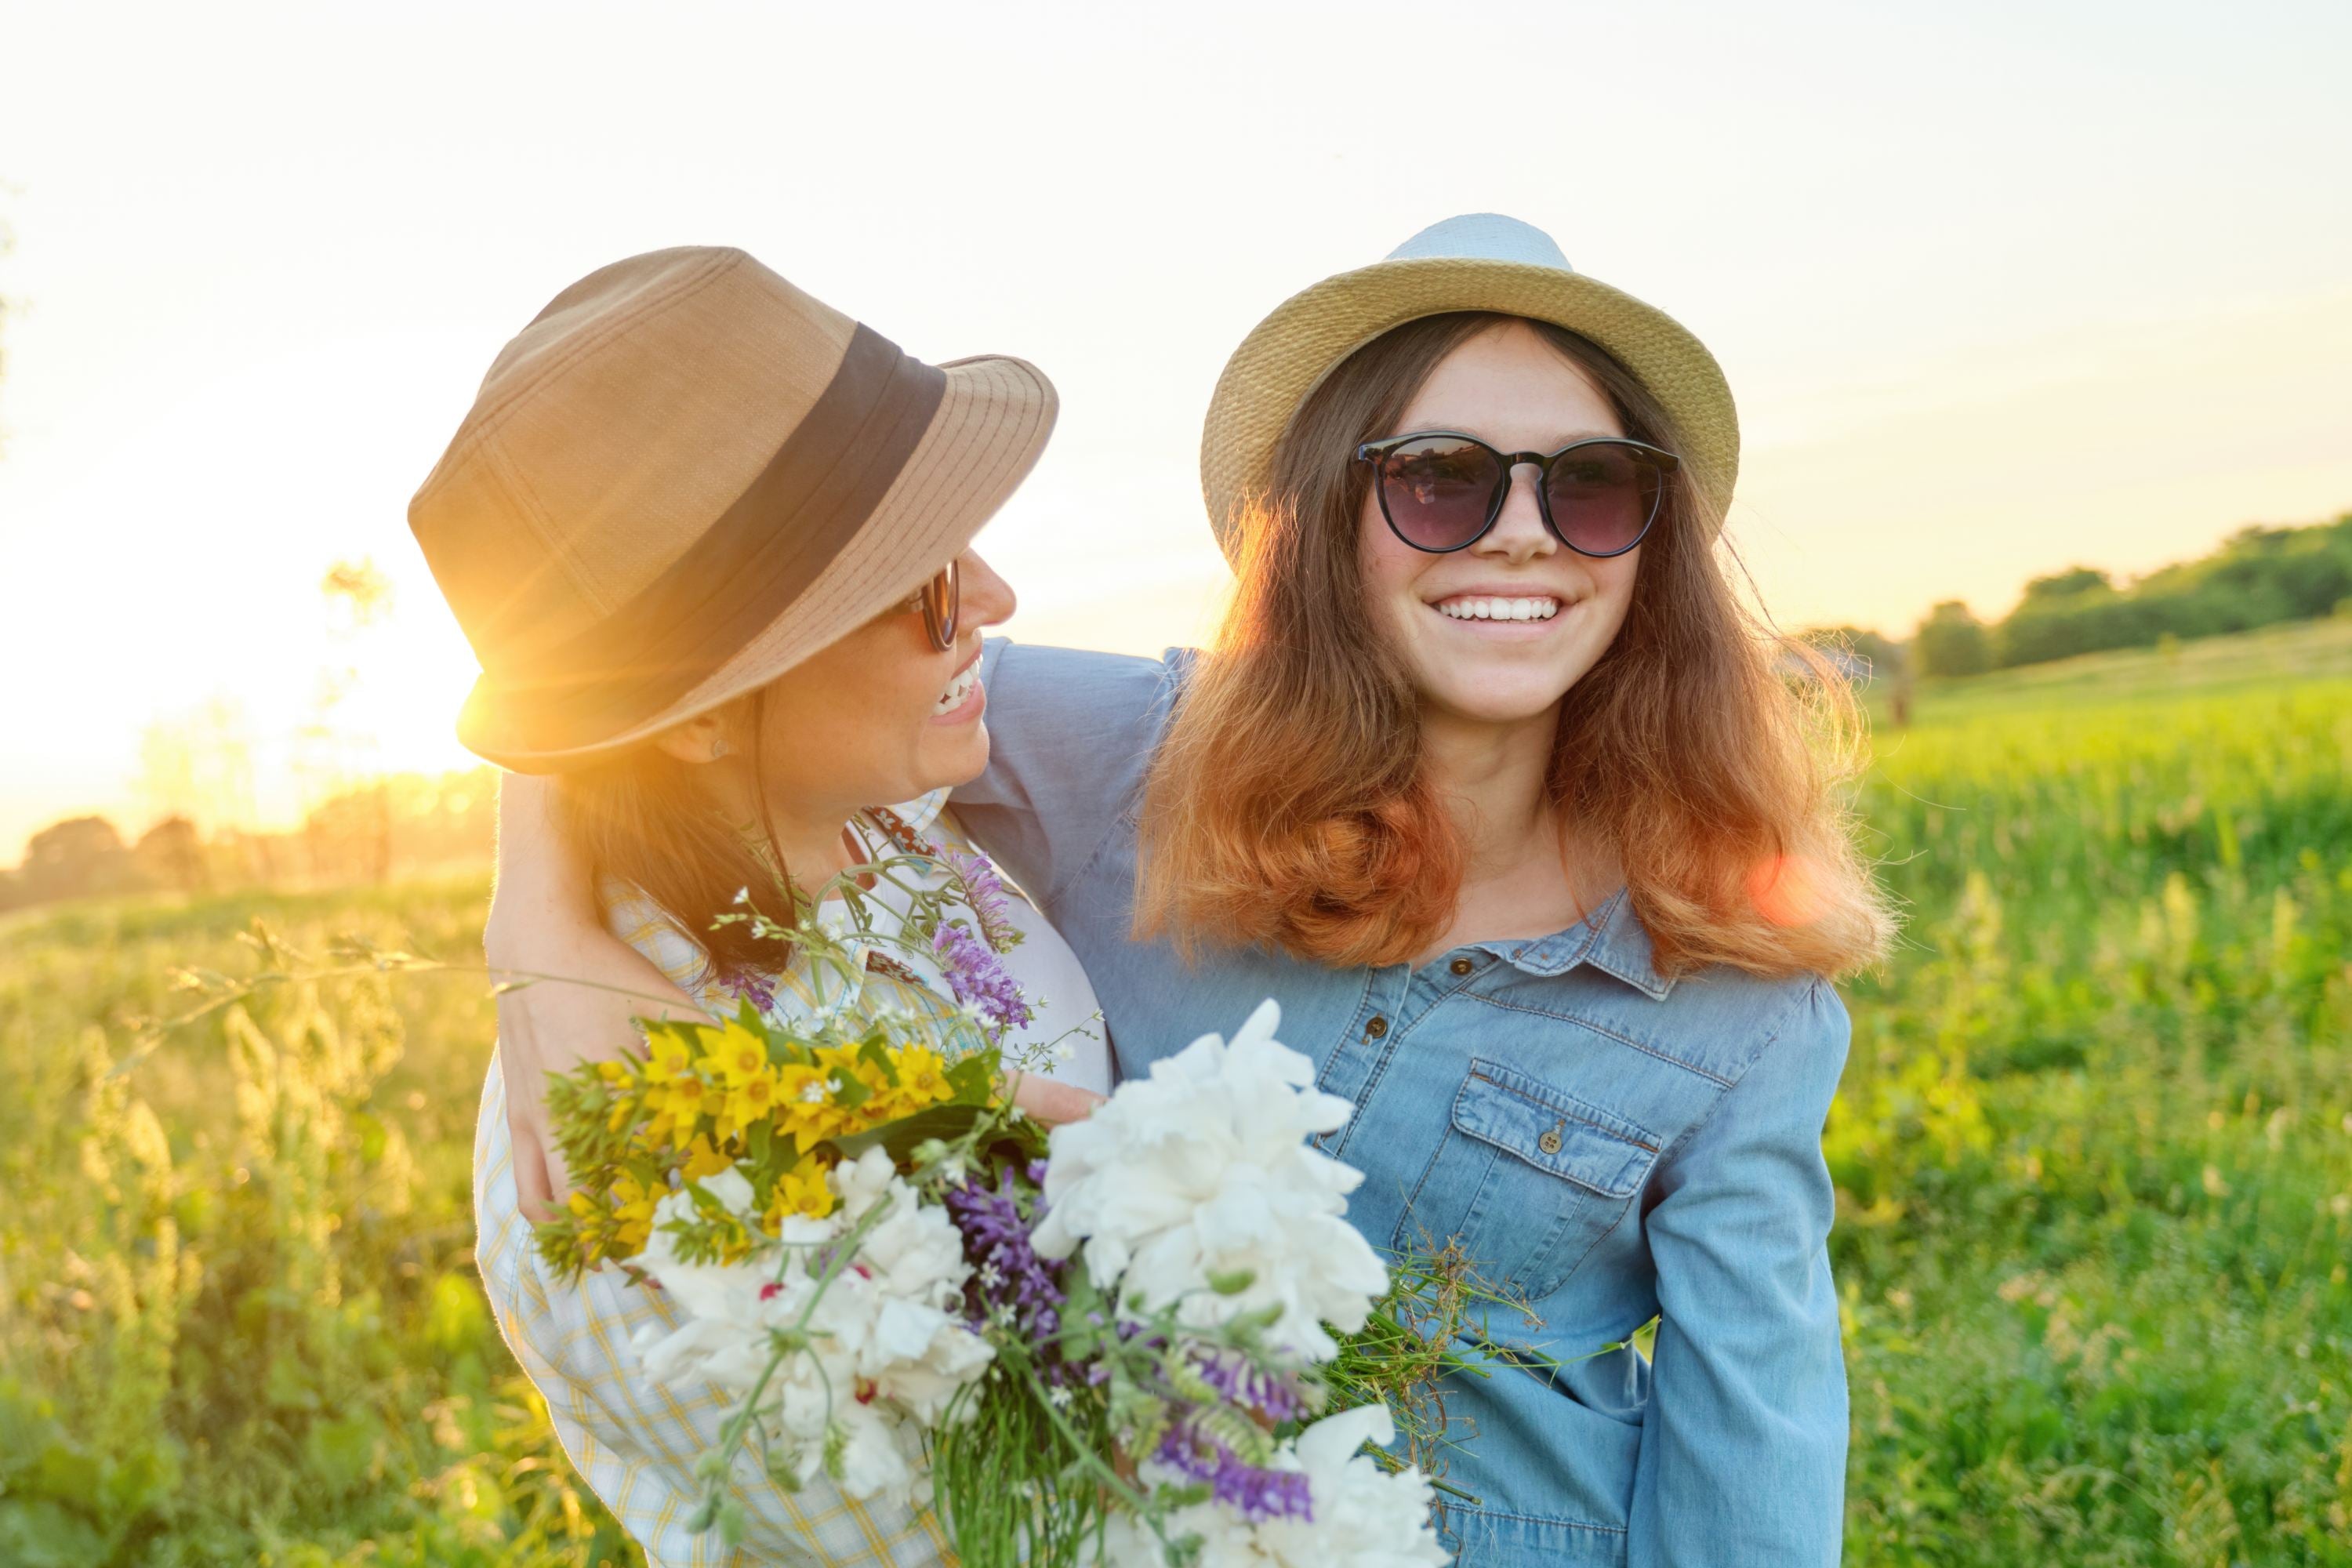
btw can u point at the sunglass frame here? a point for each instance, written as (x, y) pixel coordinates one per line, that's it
(1376, 452)
(940, 599)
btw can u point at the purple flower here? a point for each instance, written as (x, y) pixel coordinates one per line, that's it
(752, 989)
(978, 979)
(984, 895)
(1270, 1394)
(1258, 1492)
(1007, 1273)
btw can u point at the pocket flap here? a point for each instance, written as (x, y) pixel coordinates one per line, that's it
(1557, 1132)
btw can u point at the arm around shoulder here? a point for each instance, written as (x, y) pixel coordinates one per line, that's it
(570, 991)
(1071, 734)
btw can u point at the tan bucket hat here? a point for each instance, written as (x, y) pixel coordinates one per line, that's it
(1478, 261)
(685, 476)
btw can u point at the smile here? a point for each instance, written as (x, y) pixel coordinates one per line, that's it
(959, 690)
(1486, 607)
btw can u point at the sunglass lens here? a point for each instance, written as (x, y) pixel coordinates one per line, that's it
(942, 599)
(1437, 490)
(1603, 497)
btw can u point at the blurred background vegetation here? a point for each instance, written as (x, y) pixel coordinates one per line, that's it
(2094, 1153)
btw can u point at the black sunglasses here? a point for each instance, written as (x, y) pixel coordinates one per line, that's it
(940, 600)
(1441, 490)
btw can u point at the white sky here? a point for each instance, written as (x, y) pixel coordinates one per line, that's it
(2000, 287)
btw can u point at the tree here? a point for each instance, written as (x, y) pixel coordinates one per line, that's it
(1952, 641)
(2070, 584)
(76, 859)
(172, 855)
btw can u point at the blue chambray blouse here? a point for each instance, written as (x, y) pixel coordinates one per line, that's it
(1611, 1146)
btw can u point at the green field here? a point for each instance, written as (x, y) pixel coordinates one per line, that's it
(2095, 1149)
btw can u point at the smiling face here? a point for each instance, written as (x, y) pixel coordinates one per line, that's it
(879, 717)
(882, 716)
(1496, 633)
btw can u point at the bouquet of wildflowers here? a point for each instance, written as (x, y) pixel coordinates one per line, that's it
(1125, 1344)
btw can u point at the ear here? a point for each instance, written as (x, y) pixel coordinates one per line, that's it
(702, 739)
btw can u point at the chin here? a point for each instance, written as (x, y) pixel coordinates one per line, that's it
(959, 760)
(1511, 698)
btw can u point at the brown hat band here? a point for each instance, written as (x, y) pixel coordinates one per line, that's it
(760, 555)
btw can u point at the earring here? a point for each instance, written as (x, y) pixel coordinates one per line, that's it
(718, 750)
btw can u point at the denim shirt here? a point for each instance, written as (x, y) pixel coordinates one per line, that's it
(1608, 1144)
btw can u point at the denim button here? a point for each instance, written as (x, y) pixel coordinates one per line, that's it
(1377, 1027)
(1549, 1142)
(1461, 966)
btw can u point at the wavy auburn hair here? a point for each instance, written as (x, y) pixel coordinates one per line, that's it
(1289, 807)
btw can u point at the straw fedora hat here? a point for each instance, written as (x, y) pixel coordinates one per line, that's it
(1479, 261)
(685, 476)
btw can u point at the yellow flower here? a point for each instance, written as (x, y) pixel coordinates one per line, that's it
(671, 1059)
(804, 1102)
(704, 1158)
(677, 1105)
(737, 1057)
(633, 1215)
(748, 1103)
(801, 1190)
(922, 1076)
(844, 1062)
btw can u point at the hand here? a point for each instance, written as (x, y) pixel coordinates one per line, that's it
(547, 1026)
(1053, 1103)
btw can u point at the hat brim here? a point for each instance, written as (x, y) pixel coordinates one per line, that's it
(1287, 355)
(992, 424)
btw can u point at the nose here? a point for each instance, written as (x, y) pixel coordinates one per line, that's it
(1519, 535)
(988, 598)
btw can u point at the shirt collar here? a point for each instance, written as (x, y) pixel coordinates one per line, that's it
(1611, 938)
(920, 813)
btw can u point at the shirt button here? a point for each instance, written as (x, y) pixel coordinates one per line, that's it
(1461, 966)
(1377, 1027)
(1549, 1142)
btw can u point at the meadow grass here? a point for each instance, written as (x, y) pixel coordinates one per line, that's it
(2093, 1152)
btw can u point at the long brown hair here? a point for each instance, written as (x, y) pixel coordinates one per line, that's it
(1289, 807)
(644, 820)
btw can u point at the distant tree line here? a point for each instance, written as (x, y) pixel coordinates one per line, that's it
(2258, 577)
(371, 833)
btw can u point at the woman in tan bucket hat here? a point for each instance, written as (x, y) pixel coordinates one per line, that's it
(1492, 780)
(711, 540)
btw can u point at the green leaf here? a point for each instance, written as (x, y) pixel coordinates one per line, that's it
(899, 1138)
(973, 1077)
(875, 1052)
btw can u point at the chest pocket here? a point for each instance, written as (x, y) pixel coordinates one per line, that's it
(1527, 1178)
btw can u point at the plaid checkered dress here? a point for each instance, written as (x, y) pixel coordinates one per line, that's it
(632, 1441)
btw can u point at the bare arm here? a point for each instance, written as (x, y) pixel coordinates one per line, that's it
(543, 921)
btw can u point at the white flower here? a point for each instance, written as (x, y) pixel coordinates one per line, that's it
(1363, 1516)
(888, 1351)
(1200, 1172)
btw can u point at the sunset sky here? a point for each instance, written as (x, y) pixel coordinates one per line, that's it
(2000, 288)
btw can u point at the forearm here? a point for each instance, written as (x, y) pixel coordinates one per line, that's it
(571, 992)
(544, 927)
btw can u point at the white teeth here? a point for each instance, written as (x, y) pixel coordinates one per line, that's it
(1482, 609)
(958, 690)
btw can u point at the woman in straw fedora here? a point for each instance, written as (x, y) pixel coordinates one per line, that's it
(711, 540)
(1492, 781)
